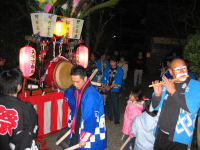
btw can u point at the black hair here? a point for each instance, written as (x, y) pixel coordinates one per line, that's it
(78, 70)
(137, 94)
(113, 58)
(9, 80)
(146, 107)
(66, 51)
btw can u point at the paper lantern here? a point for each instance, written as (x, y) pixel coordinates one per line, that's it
(43, 24)
(74, 27)
(60, 28)
(27, 60)
(82, 56)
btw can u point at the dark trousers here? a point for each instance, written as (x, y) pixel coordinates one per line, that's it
(162, 143)
(112, 105)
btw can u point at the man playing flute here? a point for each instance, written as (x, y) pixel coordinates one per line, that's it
(177, 102)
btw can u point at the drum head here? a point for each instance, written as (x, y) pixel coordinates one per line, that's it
(62, 76)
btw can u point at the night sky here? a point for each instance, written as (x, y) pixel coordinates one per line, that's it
(135, 22)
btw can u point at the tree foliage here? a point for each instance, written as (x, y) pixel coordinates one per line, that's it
(184, 16)
(83, 9)
(192, 53)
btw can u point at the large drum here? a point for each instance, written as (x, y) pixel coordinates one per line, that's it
(58, 73)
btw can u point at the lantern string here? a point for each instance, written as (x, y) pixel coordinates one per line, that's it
(60, 48)
(28, 43)
(54, 47)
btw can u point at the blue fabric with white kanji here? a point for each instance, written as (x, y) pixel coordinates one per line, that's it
(118, 78)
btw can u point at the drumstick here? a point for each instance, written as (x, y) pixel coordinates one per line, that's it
(172, 80)
(96, 83)
(63, 137)
(122, 137)
(93, 74)
(73, 147)
(127, 140)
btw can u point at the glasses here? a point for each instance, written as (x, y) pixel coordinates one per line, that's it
(178, 69)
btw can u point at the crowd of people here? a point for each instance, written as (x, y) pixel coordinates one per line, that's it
(165, 121)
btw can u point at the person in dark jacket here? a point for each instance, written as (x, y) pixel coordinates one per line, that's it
(139, 68)
(18, 119)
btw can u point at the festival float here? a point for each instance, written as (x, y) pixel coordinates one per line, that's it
(55, 23)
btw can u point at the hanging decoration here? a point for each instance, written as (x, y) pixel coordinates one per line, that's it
(46, 5)
(82, 56)
(60, 28)
(27, 60)
(43, 24)
(74, 27)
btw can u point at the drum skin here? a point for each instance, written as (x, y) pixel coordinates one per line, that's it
(58, 74)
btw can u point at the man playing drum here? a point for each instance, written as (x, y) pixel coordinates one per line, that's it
(89, 116)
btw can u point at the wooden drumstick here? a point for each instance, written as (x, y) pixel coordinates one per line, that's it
(172, 80)
(96, 83)
(63, 137)
(127, 140)
(93, 74)
(73, 147)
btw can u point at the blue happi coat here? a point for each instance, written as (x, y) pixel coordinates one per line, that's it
(92, 118)
(118, 78)
(98, 66)
(70, 99)
(183, 131)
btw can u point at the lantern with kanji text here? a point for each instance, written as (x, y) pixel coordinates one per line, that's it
(43, 24)
(27, 60)
(74, 27)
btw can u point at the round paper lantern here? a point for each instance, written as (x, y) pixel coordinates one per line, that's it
(60, 28)
(27, 60)
(82, 56)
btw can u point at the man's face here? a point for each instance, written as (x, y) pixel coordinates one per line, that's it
(103, 57)
(122, 59)
(74, 59)
(116, 53)
(77, 81)
(178, 69)
(113, 64)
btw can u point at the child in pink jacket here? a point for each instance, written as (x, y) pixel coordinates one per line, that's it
(134, 108)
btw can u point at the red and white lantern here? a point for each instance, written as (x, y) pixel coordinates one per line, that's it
(82, 55)
(27, 60)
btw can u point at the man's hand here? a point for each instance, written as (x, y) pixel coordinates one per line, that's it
(82, 144)
(157, 88)
(169, 85)
(108, 88)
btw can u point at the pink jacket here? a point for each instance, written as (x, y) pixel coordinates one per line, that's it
(132, 110)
